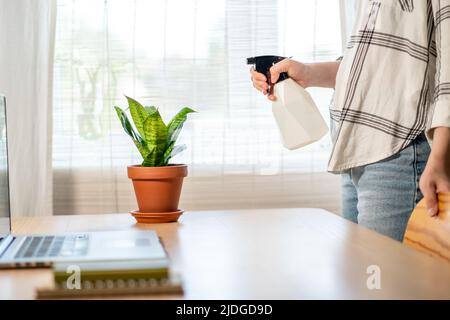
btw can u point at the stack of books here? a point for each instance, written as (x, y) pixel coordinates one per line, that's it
(112, 278)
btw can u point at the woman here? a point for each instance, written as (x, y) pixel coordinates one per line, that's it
(392, 92)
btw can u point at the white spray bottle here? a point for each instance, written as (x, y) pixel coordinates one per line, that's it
(298, 119)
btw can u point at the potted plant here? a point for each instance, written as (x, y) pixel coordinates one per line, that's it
(157, 183)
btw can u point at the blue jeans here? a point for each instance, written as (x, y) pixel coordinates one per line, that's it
(381, 196)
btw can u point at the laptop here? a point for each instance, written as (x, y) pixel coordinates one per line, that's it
(42, 250)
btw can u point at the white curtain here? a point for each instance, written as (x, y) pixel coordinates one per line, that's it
(175, 53)
(26, 70)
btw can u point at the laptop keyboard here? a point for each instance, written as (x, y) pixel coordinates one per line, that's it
(53, 246)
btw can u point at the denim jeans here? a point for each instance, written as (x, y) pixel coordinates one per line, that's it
(381, 196)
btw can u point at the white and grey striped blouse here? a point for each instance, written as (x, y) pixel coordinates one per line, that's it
(393, 82)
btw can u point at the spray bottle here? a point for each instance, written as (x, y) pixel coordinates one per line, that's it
(298, 119)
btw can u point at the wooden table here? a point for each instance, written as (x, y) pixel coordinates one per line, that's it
(263, 254)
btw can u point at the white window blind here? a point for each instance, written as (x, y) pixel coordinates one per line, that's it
(175, 53)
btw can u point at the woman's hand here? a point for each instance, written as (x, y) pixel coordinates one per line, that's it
(436, 177)
(306, 75)
(297, 71)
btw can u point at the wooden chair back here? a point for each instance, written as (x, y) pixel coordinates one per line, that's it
(430, 235)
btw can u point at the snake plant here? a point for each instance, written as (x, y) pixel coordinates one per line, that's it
(154, 139)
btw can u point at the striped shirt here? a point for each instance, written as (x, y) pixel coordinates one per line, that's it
(393, 82)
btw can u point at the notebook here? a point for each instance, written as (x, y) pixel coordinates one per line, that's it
(114, 278)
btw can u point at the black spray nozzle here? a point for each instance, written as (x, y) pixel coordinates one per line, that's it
(263, 64)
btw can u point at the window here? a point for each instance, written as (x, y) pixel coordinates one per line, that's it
(175, 53)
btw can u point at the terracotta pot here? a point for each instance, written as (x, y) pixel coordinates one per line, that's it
(157, 189)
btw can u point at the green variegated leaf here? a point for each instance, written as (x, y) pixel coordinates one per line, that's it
(154, 140)
(175, 125)
(167, 153)
(127, 125)
(142, 147)
(148, 161)
(173, 152)
(151, 109)
(138, 113)
(156, 136)
(138, 141)
(125, 122)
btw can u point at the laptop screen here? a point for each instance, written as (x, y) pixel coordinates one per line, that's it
(5, 226)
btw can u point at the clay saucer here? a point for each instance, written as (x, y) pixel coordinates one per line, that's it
(160, 217)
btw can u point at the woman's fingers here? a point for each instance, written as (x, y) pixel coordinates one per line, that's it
(261, 86)
(259, 81)
(428, 188)
(256, 76)
(431, 201)
(276, 69)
